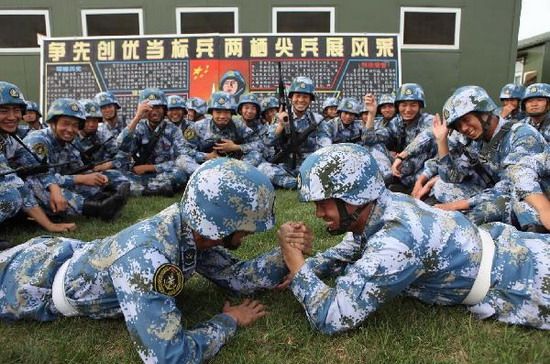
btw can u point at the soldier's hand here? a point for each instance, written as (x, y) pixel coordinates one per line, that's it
(58, 203)
(143, 109)
(507, 110)
(370, 103)
(245, 313)
(457, 205)
(62, 227)
(284, 284)
(103, 167)
(92, 179)
(226, 146)
(211, 155)
(439, 128)
(143, 169)
(418, 185)
(295, 235)
(396, 167)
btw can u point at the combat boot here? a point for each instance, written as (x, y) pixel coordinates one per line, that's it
(106, 209)
(4, 245)
(165, 190)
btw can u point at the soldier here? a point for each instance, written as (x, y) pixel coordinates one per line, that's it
(221, 135)
(160, 161)
(345, 127)
(330, 108)
(536, 104)
(177, 112)
(109, 105)
(510, 97)
(249, 110)
(32, 119)
(233, 83)
(502, 144)
(311, 133)
(404, 135)
(386, 109)
(139, 272)
(70, 190)
(397, 245)
(270, 106)
(15, 194)
(196, 108)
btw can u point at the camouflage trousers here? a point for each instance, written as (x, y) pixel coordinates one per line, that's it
(280, 175)
(254, 158)
(10, 203)
(175, 180)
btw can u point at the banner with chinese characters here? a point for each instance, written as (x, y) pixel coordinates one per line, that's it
(339, 64)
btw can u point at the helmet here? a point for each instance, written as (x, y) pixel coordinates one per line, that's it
(154, 96)
(512, 91)
(303, 85)
(350, 104)
(535, 90)
(464, 100)
(238, 77)
(344, 171)
(249, 99)
(175, 102)
(221, 101)
(330, 102)
(196, 104)
(33, 106)
(270, 102)
(11, 95)
(225, 195)
(66, 107)
(410, 92)
(91, 108)
(106, 98)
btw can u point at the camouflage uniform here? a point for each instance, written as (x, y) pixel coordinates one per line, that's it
(511, 91)
(108, 98)
(198, 105)
(409, 248)
(538, 90)
(138, 272)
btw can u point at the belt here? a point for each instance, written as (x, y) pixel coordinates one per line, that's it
(58, 292)
(482, 282)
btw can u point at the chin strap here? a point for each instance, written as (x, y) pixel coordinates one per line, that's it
(346, 219)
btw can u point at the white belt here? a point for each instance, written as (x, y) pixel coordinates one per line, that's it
(58, 292)
(482, 282)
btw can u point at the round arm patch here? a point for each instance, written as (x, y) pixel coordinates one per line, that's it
(168, 279)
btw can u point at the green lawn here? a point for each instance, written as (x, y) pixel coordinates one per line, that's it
(403, 331)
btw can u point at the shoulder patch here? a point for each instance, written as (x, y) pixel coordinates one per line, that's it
(168, 279)
(189, 134)
(40, 149)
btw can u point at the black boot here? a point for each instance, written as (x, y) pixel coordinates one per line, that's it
(165, 190)
(4, 245)
(106, 209)
(123, 192)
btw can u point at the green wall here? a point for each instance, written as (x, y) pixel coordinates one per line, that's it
(488, 37)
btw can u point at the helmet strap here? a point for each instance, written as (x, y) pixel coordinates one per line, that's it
(346, 219)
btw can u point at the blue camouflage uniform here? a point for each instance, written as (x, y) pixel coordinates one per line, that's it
(108, 98)
(409, 248)
(259, 155)
(512, 91)
(24, 129)
(538, 90)
(138, 272)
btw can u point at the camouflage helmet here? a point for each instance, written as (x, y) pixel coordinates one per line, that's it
(303, 85)
(351, 105)
(535, 90)
(66, 107)
(175, 102)
(106, 98)
(384, 99)
(33, 106)
(238, 77)
(465, 100)
(196, 104)
(221, 101)
(512, 91)
(154, 96)
(410, 92)
(330, 102)
(249, 99)
(226, 195)
(10, 94)
(270, 102)
(344, 171)
(91, 108)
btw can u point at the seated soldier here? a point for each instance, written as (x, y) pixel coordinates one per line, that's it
(270, 107)
(330, 108)
(15, 194)
(510, 97)
(138, 273)
(221, 135)
(109, 106)
(32, 120)
(196, 108)
(248, 110)
(177, 113)
(161, 163)
(69, 189)
(397, 245)
(536, 104)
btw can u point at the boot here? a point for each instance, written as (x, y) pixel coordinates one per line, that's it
(106, 209)
(4, 245)
(165, 190)
(123, 192)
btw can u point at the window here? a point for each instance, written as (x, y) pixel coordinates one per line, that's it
(303, 20)
(98, 22)
(430, 28)
(207, 20)
(19, 29)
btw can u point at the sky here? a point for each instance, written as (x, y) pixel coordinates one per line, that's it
(535, 18)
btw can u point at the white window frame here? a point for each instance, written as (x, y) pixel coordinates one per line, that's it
(210, 9)
(454, 46)
(45, 13)
(277, 9)
(85, 12)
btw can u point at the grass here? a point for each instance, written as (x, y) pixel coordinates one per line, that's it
(402, 331)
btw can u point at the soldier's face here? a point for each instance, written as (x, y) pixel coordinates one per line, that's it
(191, 115)
(221, 117)
(364, 116)
(536, 105)
(90, 126)
(512, 102)
(300, 101)
(327, 210)
(108, 111)
(176, 115)
(387, 111)
(249, 111)
(470, 126)
(331, 112)
(409, 109)
(65, 128)
(156, 115)
(10, 115)
(269, 115)
(347, 118)
(230, 86)
(30, 117)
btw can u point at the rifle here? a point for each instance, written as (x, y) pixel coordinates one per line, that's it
(354, 139)
(209, 147)
(84, 168)
(290, 128)
(145, 150)
(24, 172)
(88, 154)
